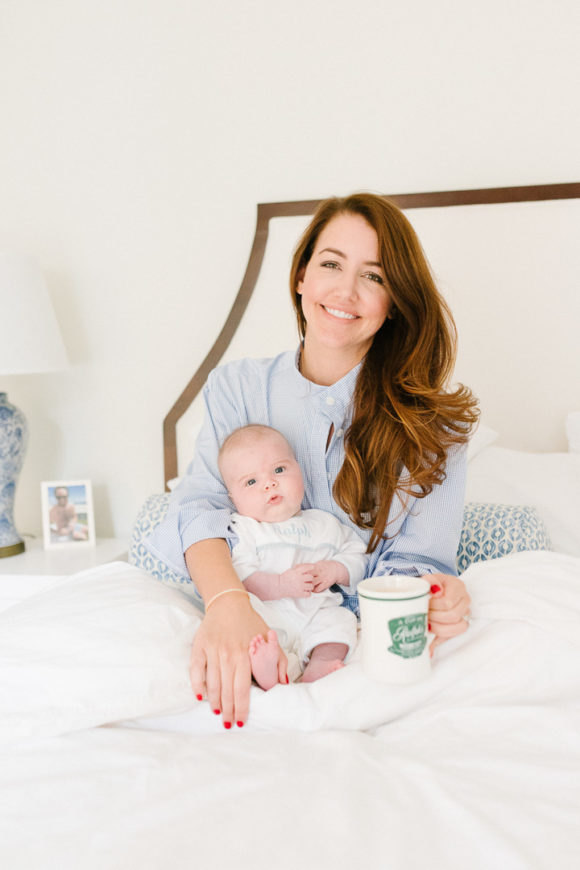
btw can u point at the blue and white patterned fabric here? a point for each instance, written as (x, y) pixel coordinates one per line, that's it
(489, 531)
(150, 515)
(493, 530)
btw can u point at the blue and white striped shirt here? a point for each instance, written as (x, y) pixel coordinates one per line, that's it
(423, 534)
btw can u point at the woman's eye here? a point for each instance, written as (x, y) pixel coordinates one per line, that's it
(374, 277)
(330, 264)
(251, 481)
(279, 469)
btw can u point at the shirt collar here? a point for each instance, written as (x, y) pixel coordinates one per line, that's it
(347, 382)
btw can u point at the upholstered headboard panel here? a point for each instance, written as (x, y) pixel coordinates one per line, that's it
(508, 262)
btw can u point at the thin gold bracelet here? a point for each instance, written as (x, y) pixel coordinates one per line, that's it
(219, 595)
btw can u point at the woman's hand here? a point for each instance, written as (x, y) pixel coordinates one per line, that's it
(448, 607)
(220, 662)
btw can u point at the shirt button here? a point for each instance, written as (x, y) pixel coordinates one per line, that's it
(328, 474)
(339, 433)
(329, 400)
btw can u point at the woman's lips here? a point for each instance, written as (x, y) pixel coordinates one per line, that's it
(339, 313)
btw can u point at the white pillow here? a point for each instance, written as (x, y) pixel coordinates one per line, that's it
(549, 482)
(103, 645)
(573, 431)
(481, 438)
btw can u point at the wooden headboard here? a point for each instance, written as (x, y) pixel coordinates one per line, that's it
(508, 310)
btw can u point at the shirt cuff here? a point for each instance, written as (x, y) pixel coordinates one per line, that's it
(411, 566)
(209, 524)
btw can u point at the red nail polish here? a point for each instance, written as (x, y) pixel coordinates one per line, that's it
(428, 626)
(227, 724)
(199, 698)
(240, 724)
(435, 589)
(287, 680)
(217, 712)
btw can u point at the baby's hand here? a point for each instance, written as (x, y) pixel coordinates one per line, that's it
(297, 582)
(326, 573)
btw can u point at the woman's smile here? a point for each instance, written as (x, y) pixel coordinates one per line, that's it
(336, 312)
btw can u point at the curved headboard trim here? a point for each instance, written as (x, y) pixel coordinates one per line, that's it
(269, 210)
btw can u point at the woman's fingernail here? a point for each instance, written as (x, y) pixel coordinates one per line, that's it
(240, 724)
(227, 724)
(217, 712)
(199, 698)
(435, 589)
(287, 680)
(428, 626)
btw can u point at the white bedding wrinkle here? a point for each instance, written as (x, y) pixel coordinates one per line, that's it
(450, 788)
(100, 646)
(112, 644)
(477, 767)
(523, 645)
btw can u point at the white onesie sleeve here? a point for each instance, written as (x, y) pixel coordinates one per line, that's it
(244, 554)
(351, 552)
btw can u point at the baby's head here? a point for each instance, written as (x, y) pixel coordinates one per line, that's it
(264, 480)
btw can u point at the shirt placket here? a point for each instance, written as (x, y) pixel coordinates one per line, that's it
(330, 414)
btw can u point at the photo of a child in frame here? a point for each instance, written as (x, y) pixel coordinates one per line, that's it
(67, 513)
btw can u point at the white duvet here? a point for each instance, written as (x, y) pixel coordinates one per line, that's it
(477, 767)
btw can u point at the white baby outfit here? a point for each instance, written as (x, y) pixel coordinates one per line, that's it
(310, 536)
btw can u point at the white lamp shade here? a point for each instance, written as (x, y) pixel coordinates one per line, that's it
(30, 340)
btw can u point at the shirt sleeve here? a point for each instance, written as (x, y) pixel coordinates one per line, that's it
(200, 507)
(428, 538)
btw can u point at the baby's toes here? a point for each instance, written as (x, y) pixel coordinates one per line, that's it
(256, 643)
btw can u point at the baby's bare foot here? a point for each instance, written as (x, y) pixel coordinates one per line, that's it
(318, 668)
(264, 658)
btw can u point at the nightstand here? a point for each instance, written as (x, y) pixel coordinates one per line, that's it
(37, 568)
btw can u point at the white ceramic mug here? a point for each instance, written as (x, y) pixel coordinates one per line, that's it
(394, 642)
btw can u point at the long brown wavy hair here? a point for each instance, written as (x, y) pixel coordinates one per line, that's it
(405, 418)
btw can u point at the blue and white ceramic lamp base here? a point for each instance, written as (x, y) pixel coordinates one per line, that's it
(13, 440)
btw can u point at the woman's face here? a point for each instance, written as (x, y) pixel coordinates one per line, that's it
(344, 296)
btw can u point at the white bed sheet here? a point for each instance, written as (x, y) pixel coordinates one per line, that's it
(437, 794)
(478, 767)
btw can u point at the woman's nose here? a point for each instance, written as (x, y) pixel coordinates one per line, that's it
(347, 285)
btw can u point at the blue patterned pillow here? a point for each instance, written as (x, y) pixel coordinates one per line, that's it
(489, 531)
(493, 530)
(150, 515)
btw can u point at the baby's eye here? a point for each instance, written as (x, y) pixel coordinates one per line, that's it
(374, 277)
(279, 469)
(251, 481)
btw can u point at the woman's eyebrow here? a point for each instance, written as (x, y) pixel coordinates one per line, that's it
(333, 251)
(344, 257)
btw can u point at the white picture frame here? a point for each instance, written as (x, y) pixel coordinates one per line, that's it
(69, 523)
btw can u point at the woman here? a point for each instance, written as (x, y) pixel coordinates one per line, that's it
(363, 404)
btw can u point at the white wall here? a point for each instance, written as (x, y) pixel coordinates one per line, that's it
(138, 136)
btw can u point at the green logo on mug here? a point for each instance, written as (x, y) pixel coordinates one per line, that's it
(408, 635)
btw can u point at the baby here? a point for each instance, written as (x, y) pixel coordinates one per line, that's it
(288, 558)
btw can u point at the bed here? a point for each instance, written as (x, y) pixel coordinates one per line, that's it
(107, 761)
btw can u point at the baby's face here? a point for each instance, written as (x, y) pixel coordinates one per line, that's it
(263, 478)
